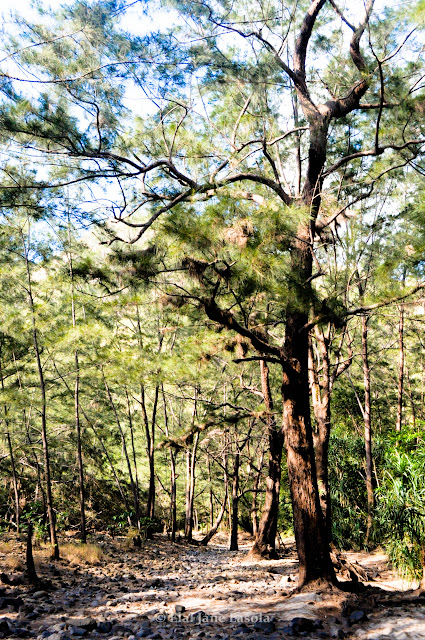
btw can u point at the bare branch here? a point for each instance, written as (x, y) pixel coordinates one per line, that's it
(301, 44)
(371, 152)
(385, 303)
(227, 319)
(341, 15)
(239, 118)
(355, 52)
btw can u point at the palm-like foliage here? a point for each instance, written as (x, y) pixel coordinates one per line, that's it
(402, 512)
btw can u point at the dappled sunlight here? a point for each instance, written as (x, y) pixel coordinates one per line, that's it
(164, 589)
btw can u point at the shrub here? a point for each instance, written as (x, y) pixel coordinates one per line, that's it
(401, 512)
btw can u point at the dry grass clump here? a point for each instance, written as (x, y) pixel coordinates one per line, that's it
(81, 553)
(127, 542)
(13, 563)
(6, 547)
(42, 555)
(10, 559)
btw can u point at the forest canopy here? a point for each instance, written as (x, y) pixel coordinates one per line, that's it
(211, 280)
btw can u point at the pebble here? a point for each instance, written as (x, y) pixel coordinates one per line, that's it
(15, 603)
(77, 631)
(266, 627)
(104, 626)
(357, 616)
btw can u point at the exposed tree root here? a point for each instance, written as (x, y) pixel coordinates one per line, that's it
(350, 570)
(262, 553)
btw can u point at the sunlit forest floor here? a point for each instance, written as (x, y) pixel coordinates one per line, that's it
(163, 591)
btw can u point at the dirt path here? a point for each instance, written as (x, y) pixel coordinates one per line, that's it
(164, 591)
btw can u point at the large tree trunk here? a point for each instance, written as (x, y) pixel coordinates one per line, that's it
(309, 529)
(265, 540)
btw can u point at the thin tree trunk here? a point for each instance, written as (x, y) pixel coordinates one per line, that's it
(150, 449)
(133, 449)
(125, 450)
(400, 370)
(111, 464)
(83, 532)
(412, 400)
(190, 487)
(12, 457)
(173, 496)
(188, 523)
(173, 476)
(235, 501)
(15, 481)
(219, 518)
(25, 424)
(43, 413)
(210, 493)
(39, 485)
(265, 540)
(30, 571)
(102, 444)
(321, 400)
(256, 484)
(367, 428)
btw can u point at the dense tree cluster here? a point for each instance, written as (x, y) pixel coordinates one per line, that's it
(212, 272)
